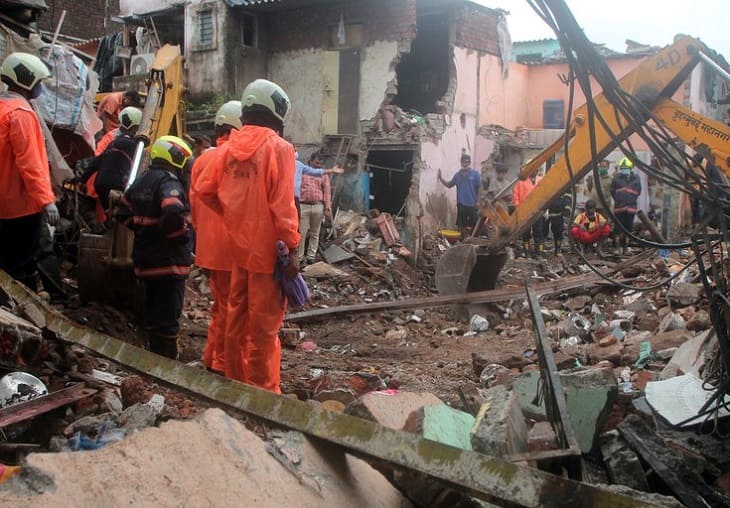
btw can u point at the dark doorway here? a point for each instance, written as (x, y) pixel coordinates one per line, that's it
(390, 179)
(423, 74)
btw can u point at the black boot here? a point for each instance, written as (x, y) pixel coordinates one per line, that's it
(164, 345)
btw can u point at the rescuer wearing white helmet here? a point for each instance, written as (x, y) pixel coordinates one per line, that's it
(213, 250)
(250, 182)
(25, 180)
(156, 208)
(110, 169)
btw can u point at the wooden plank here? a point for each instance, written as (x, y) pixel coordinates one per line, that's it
(43, 404)
(491, 296)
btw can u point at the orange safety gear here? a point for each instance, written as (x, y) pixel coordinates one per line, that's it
(105, 141)
(252, 348)
(214, 353)
(212, 251)
(25, 178)
(109, 108)
(213, 248)
(521, 190)
(251, 181)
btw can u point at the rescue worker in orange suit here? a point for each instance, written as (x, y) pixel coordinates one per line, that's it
(522, 189)
(590, 227)
(25, 180)
(109, 171)
(251, 183)
(213, 249)
(156, 209)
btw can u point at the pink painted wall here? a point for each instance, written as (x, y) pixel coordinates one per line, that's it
(502, 101)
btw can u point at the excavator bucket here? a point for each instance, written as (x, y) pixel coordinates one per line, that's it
(465, 268)
(105, 272)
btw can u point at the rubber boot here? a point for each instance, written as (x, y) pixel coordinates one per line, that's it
(164, 345)
(558, 248)
(525, 249)
(540, 250)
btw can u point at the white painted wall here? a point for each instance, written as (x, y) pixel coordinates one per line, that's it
(300, 74)
(205, 69)
(375, 72)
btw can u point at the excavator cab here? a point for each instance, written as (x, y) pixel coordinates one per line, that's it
(105, 270)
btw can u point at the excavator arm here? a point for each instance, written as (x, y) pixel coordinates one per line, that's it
(476, 266)
(652, 82)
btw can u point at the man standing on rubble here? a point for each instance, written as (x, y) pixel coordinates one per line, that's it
(316, 204)
(213, 249)
(251, 184)
(25, 180)
(156, 208)
(302, 169)
(468, 181)
(524, 186)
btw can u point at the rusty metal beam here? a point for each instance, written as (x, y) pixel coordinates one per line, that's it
(553, 394)
(43, 404)
(482, 476)
(491, 296)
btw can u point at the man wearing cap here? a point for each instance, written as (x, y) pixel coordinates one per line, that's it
(468, 182)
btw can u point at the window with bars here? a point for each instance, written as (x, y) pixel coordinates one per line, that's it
(206, 29)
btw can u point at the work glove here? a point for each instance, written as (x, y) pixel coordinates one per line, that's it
(52, 215)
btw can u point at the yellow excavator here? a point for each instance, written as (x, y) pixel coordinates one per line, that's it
(475, 265)
(104, 271)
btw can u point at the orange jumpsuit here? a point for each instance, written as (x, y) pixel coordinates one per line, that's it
(212, 252)
(108, 110)
(25, 181)
(251, 182)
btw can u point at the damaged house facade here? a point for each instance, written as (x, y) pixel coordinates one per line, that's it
(392, 87)
(394, 90)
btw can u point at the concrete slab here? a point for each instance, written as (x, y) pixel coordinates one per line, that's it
(500, 427)
(211, 461)
(336, 254)
(390, 409)
(442, 424)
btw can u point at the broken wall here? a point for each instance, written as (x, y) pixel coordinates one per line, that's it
(129, 7)
(304, 58)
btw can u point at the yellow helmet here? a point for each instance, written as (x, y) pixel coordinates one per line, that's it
(263, 94)
(24, 70)
(625, 163)
(172, 150)
(229, 114)
(130, 117)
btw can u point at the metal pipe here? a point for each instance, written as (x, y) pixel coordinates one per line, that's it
(709, 61)
(135, 164)
(58, 29)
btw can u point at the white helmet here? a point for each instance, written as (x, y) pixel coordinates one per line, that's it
(130, 117)
(229, 114)
(24, 70)
(266, 95)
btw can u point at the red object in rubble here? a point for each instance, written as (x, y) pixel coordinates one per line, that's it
(387, 229)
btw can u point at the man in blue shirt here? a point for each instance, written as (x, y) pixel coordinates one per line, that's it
(468, 181)
(303, 169)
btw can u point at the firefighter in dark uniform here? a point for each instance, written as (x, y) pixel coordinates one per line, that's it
(558, 210)
(156, 208)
